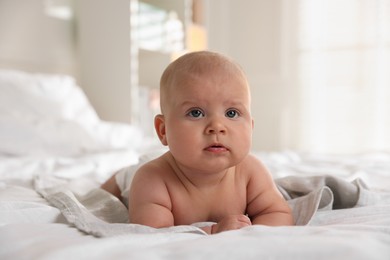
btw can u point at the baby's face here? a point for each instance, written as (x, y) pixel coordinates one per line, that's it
(208, 122)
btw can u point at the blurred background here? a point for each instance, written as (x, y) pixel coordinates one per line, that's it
(319, 69)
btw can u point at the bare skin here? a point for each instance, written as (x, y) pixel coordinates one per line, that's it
(208, 173)
(225, 199)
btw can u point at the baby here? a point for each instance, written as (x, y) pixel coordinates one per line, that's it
(208, 174)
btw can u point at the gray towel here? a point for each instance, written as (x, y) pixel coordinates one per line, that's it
(101, 214)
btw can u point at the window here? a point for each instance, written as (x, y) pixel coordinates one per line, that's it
(343, 62)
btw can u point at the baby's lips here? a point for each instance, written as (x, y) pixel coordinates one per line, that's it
(216, 148)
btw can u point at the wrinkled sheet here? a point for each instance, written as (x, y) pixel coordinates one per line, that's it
(101, 214)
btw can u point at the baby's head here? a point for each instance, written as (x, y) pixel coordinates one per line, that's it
(205, 104)
(201, 65)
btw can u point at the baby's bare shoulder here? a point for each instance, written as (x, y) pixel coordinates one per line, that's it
(149, 184)
(154, 170)
(253, 165)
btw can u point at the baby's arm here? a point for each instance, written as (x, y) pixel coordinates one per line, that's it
(112, 187)
(266, 206)
(149, 200)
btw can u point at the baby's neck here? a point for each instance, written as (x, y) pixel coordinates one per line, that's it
(195, 178)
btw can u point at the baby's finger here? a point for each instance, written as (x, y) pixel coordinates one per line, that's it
(244, 219)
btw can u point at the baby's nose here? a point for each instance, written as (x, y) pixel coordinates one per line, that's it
(216, 127)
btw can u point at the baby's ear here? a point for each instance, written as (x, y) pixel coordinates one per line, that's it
(159, 125)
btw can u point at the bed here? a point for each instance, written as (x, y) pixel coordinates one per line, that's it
(55, 152)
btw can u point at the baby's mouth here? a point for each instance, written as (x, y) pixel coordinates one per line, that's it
(216, 148)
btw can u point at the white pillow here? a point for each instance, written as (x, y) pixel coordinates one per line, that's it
(50, 114)
(44, 95)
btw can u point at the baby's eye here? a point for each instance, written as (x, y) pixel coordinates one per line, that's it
(196, 113)
(232, 113)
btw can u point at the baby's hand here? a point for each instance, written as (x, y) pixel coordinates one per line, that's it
(230, 223)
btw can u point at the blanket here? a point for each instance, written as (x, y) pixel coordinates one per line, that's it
(100, 214)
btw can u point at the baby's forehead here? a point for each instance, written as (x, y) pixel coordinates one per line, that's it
(205, 70)
(195, 68)
(200, 63)
(206, 64)
(207, 78)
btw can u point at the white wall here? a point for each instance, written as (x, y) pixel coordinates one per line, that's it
(104, 62)
(250, 32)
(33, 41)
